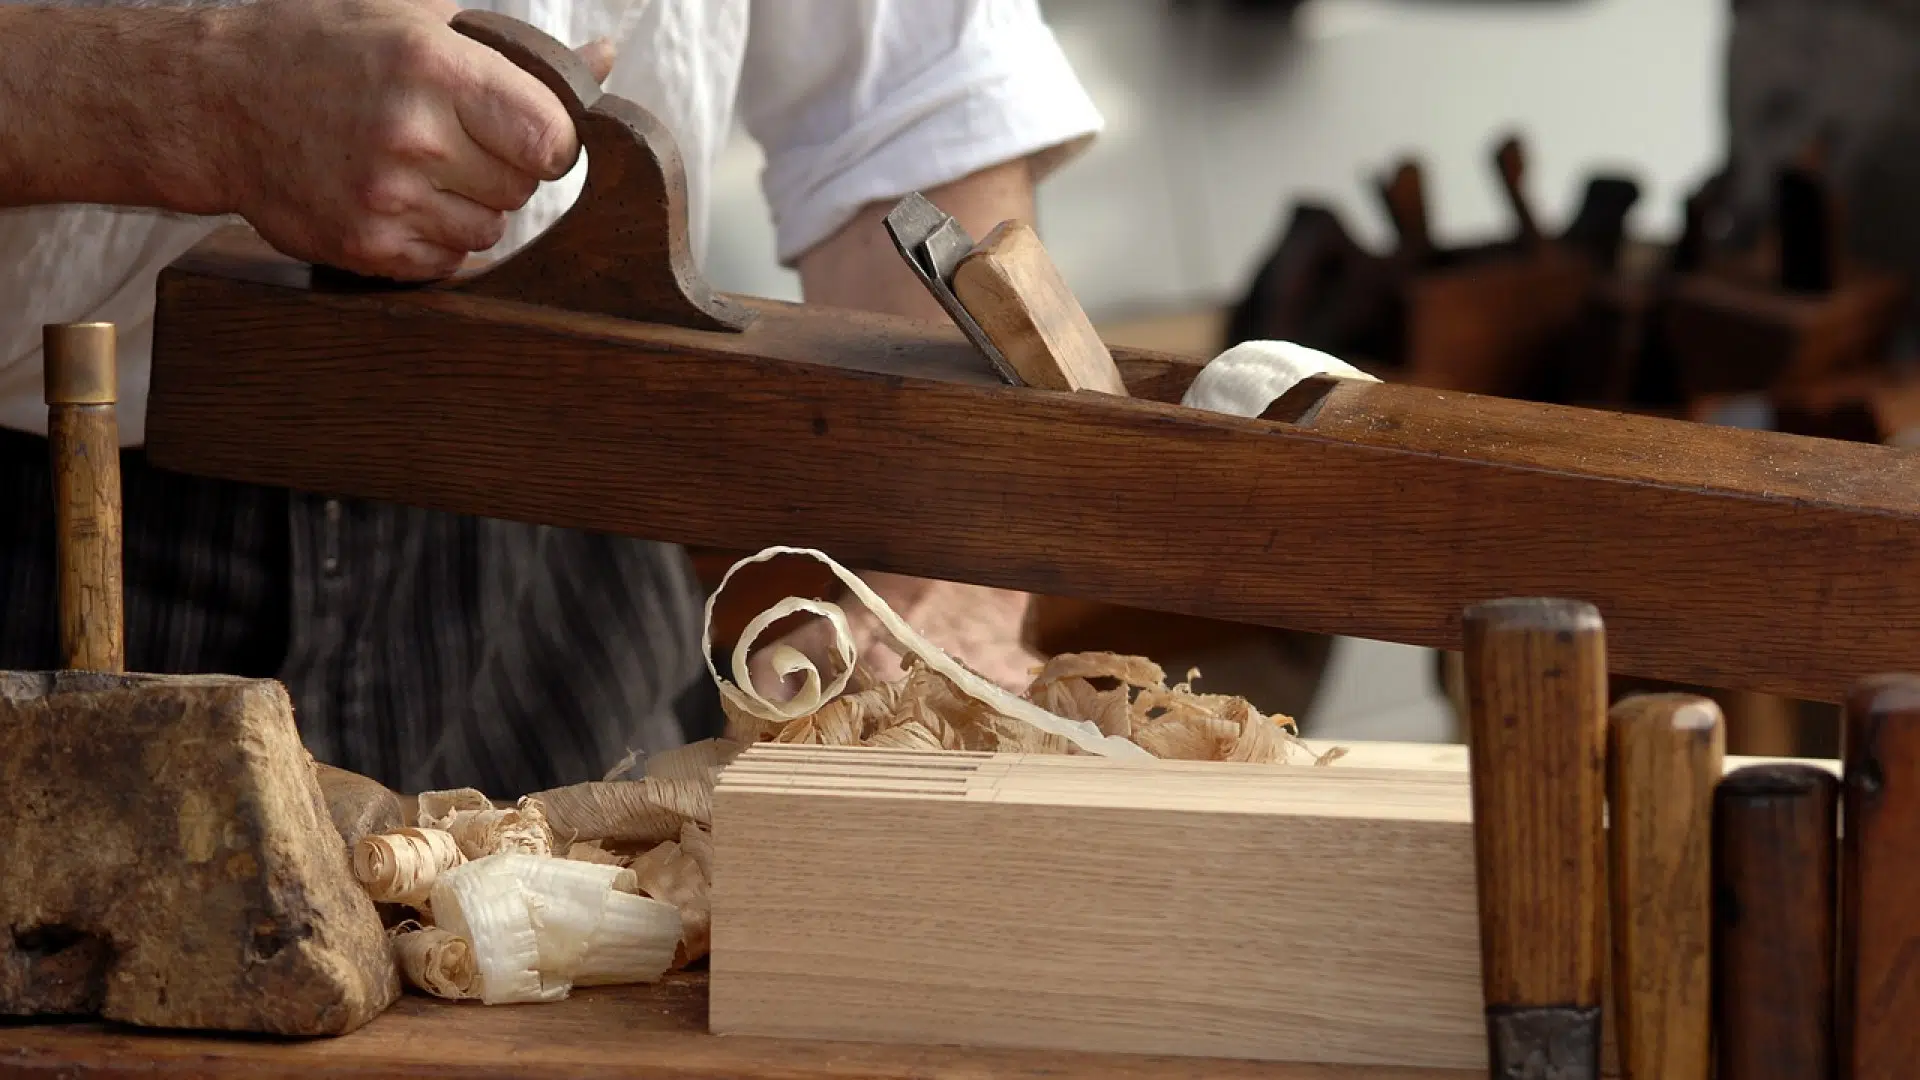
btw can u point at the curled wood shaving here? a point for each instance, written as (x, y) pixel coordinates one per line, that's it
(670, 874)
(744, 698)
(520, 830)
(593, 852)
(436, 808)
(677, 787)
(1137, 671)
(437, 961)
(399, 867)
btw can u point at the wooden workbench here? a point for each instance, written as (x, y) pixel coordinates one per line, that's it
(619, 1033)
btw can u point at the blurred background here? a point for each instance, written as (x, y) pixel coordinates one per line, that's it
(1724, 187)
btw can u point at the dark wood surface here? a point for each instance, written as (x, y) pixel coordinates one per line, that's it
(1878, 1018)
(1665, 754)
(1536, 679)
(615, 1033)
(889, 444)
(1773, 930)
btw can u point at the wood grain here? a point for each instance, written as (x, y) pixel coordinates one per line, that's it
(1010, 286)
(1773, 933)
(613, 1033)
(1119, 899)
(83, 435)
(1536, 675)
(1878, 1016)
(887, 443)
(1665, 754)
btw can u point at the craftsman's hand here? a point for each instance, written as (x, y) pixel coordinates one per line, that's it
(371, 136)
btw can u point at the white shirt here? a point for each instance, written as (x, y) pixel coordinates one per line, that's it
(850, 100)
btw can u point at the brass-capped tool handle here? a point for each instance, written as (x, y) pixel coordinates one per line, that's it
(83, 437)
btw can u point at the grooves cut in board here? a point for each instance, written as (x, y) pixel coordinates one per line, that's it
(1286, 913)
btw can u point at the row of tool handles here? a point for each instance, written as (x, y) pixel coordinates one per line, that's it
(1750, 939)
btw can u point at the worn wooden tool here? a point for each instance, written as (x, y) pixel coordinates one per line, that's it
(1510, 161)
(1878, 1014)
(1773, 928)
(1404, 196)
(1665, 754)
(171, 860)
(704, 437)
(1012, 288)
(623, 248)
(1007, 296)
(1786, 314)
(1536, 671)
(83, 435)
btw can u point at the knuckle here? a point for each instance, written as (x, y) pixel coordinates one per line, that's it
(409, 135)
(550, 139)
(386, 192)
(488, 232)
(419, 52)
(519, 188)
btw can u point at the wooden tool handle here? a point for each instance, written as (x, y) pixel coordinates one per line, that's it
(623, 248)
(1773, 912)
(1405, 198)
(1012, 289)
(1665, 754)
(1510, 160)
(1878, 1017)
(83, 437)
(1536, 674)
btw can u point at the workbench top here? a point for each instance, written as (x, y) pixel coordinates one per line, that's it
(620, 1033)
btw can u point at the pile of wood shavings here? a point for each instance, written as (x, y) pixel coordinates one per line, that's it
(651, 834)
(1122, 696)
(1091, 703)
(653, 831)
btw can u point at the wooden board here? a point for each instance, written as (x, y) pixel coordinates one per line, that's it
(1711, 552)
(1203, 908)
(1302, 913)
(616, 1033)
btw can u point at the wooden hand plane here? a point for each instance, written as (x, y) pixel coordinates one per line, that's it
(595, 381)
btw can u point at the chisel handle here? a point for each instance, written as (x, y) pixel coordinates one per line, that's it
(1773, 914)
(83, 438)
(1404, 195)
(1665, 754)
(1877, 1023)
(1510, 161)
(1536, 674)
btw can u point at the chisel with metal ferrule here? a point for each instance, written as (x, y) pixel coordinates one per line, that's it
(1536, 675)
(1008, 297)
(83, 434)
(1665, 754)
(1773, 911)
(1877, 1022)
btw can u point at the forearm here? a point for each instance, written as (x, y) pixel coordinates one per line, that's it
(859, 268)
(98, 105)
